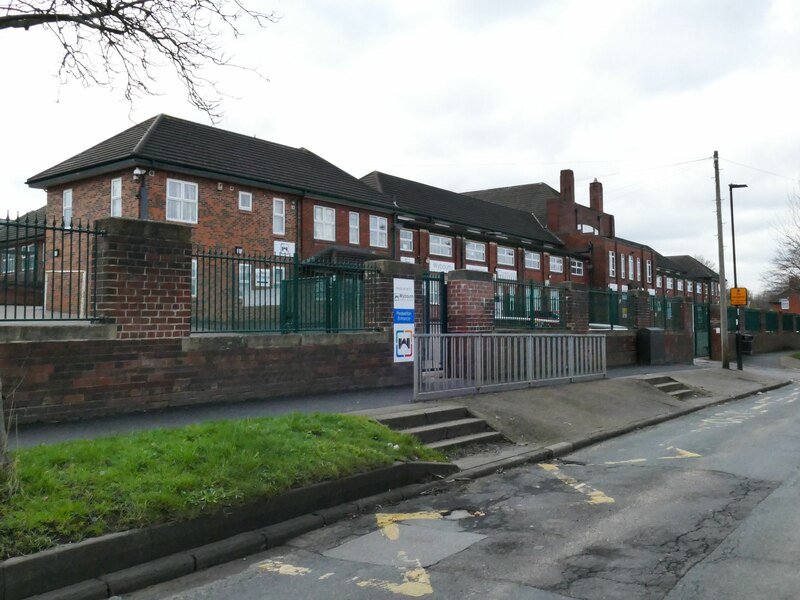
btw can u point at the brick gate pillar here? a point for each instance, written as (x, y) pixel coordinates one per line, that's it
(576, 307)
(382, 290)
(470, 302)
(144, 278)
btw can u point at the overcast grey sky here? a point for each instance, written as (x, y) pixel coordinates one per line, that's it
(479, 94)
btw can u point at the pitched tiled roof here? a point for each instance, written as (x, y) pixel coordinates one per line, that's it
(663, 262)
(165, 141)
(693, 267)
(25, 230)
(530, 197)
(426, 200)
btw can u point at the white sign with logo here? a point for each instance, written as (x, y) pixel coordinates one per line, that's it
(506, 274)
(284, 248)
(441, 266)
(403, 335)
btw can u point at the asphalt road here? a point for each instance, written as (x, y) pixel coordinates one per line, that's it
(704, 506)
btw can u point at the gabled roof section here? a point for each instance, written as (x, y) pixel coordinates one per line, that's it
(451, 207)
(530, 197)
(693, 267)
(666, 264)
(165, 141)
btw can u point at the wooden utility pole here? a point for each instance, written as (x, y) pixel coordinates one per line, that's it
(723, 292)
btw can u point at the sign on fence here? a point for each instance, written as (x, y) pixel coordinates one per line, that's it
(403, 338)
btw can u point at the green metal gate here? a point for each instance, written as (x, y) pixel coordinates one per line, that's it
(702, 330)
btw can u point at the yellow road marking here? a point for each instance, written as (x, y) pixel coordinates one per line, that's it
(595, 496)
(282, 568)
(680, 454)
(416, 581)
(387, 522)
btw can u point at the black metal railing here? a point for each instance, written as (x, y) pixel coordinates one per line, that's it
(47, 271)
(233, 292)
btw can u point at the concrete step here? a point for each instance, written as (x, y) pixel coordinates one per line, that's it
(466, 440)
(682, 393)
(655, 381)
(422, 416)
(447, 430)
(670, 386)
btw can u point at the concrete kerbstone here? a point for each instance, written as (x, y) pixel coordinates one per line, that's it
(238, 546)
(94, 589)
(336, 513)
(560, 449)
(150, 573)
(281, 532)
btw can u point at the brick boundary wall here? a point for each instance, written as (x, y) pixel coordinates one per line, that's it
(62, 380)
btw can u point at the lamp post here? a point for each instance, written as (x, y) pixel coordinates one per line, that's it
(731, 187)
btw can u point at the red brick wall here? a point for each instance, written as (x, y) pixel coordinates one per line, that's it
(220, 222)
(78, 379)
(470, 302)
(144, 278)
(311, 246)
(621, 348)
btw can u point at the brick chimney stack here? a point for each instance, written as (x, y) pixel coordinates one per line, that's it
(568, 186)
(596, 196)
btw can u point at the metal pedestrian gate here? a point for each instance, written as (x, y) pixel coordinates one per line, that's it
(702, 330)
(434, 303)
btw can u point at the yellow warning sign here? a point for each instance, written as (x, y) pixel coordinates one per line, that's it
(738, 296)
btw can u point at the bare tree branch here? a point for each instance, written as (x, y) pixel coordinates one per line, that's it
(784, 273)
(132, 38)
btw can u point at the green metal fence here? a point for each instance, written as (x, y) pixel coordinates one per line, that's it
(770, 321)
(47, 270)
(787, 322)
(528, 305)
(609, 309)
(237, 293)
(752, 320)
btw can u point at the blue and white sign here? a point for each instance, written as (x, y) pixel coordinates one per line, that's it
(403, 338)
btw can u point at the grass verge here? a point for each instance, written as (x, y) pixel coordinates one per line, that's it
(796, 355)
(75, 490)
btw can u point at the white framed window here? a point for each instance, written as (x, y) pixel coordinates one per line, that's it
(476, 251)
(279, 216)
(28, 257)
(441, 245)
(181, 201)
(533, 260)
(658, 281)
(262, 277)
(194, 278)
(649, 267)
(116, 197)
(669, 283)
(622, 266)
(612, 264)
(245, 201)
(638, 269)
(505, 256)
(556, 264)
(324, 223)
(680, 284)
(245, 282)
(355, 228)
(406, 240)
(576, 266)
(378, 231)
(278, 275)
(66, 208)
(630, 267)
(10, 260)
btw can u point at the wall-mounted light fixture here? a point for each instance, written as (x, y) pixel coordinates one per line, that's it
(238, 250)
(55, 253)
